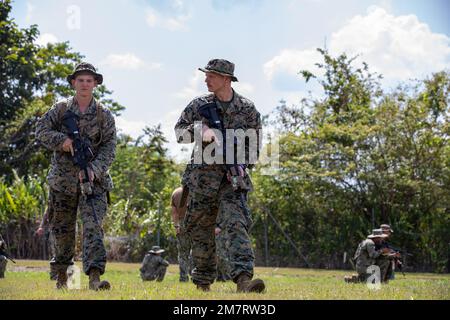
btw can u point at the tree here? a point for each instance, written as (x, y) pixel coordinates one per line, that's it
(32, 78)
(359, 151)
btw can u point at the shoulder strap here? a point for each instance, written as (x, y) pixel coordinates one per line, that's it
(100, 122)
(62, 110)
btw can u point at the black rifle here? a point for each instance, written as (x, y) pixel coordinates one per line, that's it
(397, 260)
(7, 256)
(210, 113)
(402, 252)
(82, 156)
(3, 249)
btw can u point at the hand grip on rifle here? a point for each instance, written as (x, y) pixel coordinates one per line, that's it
(236, 176)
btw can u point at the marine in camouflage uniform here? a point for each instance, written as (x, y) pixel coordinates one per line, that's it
(96, 124)
(184, 244)
(388, 262)
(366, 254)
(154, 267)
(210, 190)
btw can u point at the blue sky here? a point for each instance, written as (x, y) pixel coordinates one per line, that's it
(149, 51)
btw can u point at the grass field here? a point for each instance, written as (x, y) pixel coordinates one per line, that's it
(28, 279)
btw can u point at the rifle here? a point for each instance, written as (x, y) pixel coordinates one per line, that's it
(82, 156)
(210, 113)
(395, 249)
(7, 256)
(398, 260)
(3, 250)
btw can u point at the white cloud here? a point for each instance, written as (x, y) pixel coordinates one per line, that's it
(132, 128)
(128, 61)
(399, 47)
(178, 22)
(46, 38)
(291, 62)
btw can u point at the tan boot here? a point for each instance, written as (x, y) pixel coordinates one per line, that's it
(246, 284)
(204, 287)
(95, 283)
(61, 279)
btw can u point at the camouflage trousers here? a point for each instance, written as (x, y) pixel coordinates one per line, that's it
(157, 274)
(184, 246)
(384, 263)
(3, 263)
(51, 245)
(223, 268)
(200, 222)
(65, 208)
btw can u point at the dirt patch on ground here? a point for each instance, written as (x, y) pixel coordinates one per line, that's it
(28, 269)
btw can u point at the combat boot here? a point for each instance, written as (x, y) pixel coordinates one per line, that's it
(61, 279)
(246, 284)
(204, 287)
(95, 283)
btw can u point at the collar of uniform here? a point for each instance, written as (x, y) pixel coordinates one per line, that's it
(92, 109)
(233, 104)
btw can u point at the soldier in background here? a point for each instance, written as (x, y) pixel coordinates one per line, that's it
(184, 245)
(210, 184)
(96, 126)
(392, 259)
(366, 254)
(154, 267)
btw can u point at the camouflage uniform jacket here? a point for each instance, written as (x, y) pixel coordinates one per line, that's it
(240, 114)
(366, 254)
(63, 174)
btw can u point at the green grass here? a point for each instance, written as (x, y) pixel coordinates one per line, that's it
(28, 279)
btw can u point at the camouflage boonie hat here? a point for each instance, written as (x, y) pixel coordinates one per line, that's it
(156, 249)
(386, 227)
(377, 233)
(85, 67)
(220, 66)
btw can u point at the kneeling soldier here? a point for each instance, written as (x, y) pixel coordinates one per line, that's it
(154, 266)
